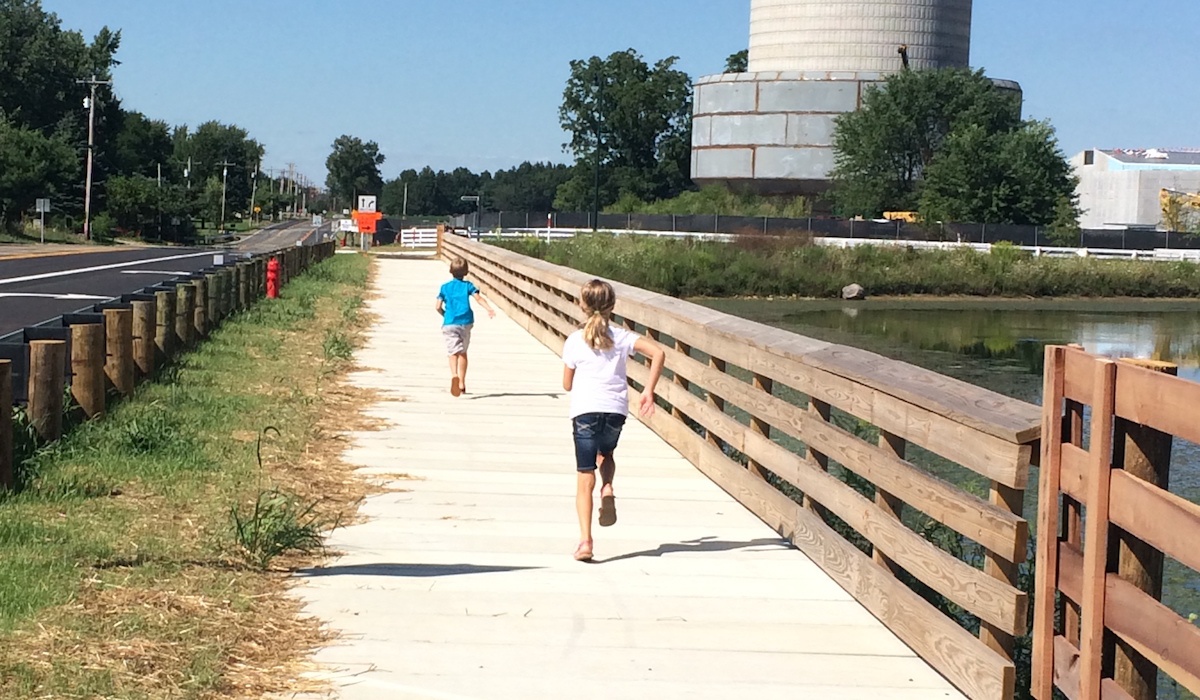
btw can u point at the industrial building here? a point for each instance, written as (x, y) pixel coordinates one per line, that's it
(771, 129)
(1121, 189)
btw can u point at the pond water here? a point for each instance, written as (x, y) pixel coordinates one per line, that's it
(999, 345)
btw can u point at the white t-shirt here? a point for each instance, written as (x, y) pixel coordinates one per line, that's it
(600, 384)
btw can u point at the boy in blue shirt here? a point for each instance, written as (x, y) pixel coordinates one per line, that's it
(454, 305)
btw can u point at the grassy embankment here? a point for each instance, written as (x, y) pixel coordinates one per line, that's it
(767, 266)
(120, 571)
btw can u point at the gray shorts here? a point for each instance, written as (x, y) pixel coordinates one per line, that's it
(457, 339)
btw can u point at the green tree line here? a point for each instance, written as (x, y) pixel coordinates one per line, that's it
(150, 178)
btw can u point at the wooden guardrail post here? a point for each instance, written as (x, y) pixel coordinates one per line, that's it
(118, 347)
(1145, 453)
(212, 309)
(999, 567)
(144, 316)
(764, 384)
(47, 360)
(164, 325)
(8, 473)
(231, 289)
(200, 313)
(243, 285)
(87, 368)
(185, 315)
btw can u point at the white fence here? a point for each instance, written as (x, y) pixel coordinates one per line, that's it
(426, 238)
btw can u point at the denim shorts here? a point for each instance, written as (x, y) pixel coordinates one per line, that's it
(595, 434)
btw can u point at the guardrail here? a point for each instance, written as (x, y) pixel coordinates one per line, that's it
(1099, 628)
(115, 344)
(782, 422)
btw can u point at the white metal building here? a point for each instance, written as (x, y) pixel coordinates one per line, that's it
(1120, 188)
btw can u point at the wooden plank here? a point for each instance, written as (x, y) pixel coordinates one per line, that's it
(889, 504)
(1095, 530)
(973, 668)
(1074, 466)
(1006, 570)
(995, 601)
(758, 425)
(965, 403)
(820, 411)
(1066, 673)
(716, 402)
(1046, 572)
(1072, 517)
(1160, 401)
(1077, 375)
(1164, 520)
(996, 529)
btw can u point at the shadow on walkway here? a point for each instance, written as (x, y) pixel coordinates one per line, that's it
(702, 544)
(408, 570)
(548, 394)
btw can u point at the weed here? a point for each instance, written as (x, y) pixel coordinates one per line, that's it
(278, 523)
(336, 346)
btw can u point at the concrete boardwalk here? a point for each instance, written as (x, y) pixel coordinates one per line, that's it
(460, 582)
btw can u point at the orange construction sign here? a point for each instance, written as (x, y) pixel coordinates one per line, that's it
(366, 220)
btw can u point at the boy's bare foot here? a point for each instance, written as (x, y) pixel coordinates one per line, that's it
(584, 551)
(608, 510)
(455, 386)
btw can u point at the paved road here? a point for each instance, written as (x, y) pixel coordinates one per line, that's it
(35, 289)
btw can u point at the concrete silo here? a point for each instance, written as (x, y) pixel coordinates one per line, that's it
(771, 129)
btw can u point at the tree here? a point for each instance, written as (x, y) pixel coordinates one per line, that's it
(133, 202)
(738, 62)
(141, 145)
(1006, 177)
(634, 118)
(30, 166)
(224, 152)
(883, 150)
(354, 168)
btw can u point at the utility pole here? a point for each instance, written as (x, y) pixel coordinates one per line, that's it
(90, 103)
(254, 188)
(224, 179)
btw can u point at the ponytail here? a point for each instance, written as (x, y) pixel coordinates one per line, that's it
(598, 299)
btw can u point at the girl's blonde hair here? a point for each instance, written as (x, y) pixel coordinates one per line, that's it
(598, 299)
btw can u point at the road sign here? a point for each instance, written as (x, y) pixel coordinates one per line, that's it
(367, 220)
(43, 206)
(366, 202)
(347, 226)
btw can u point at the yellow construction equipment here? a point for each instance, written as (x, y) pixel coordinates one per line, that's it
(1180, 210)
(908, 216)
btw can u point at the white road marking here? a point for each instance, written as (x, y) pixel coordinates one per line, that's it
(63, 297)
(154, 272)
(98, 268)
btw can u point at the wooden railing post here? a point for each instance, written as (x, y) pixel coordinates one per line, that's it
(47, 367)
(164, 325)
(996, 566)
(231, 289)
(118, 342)
(1145, 453)
(683, 349)
(185, 315)
(758, 425)
(889, 504)
(243, 285)
(144, 315)
(822, 411)
(87, 368)
(200, 314)
(8, 473)
(716, 402)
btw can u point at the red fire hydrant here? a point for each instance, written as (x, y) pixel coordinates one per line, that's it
(273, 278)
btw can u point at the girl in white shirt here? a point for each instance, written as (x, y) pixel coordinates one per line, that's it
(594, 374)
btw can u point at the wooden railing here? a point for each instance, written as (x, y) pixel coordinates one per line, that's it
(757, 410)
(1104, 495)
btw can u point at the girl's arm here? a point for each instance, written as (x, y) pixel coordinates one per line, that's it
(650, 349)
(483, 300)
(568, 378)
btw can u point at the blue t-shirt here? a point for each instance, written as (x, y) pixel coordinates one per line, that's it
(456, 295)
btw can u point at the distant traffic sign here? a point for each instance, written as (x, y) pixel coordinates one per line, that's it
(43, 206)
(366, 202)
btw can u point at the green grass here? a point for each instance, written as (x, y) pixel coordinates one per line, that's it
(767, 266)
(134, 511)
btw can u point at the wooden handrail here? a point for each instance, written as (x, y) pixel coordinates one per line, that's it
(766, 393)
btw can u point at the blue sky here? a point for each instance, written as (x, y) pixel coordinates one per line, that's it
(478, 82)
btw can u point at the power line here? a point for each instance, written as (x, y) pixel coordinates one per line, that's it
(90, 104)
